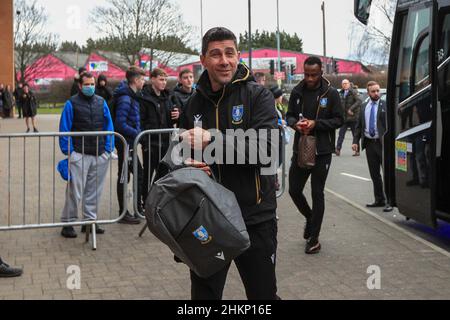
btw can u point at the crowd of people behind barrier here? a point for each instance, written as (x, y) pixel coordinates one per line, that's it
(132, 107)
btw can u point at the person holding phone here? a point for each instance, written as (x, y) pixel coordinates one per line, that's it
(314, 109)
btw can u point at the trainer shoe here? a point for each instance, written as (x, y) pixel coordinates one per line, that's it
(7, 272)
(129, 219)
(68, 232)
(312, 246)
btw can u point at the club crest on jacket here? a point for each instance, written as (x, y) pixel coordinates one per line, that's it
(237, 114)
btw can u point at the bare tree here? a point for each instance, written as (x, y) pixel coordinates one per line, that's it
(30, 39)
(137, 23)
(371, 44)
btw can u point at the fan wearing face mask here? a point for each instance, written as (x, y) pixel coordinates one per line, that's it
(88, 155)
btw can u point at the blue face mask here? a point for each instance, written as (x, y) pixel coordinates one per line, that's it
(88, 91)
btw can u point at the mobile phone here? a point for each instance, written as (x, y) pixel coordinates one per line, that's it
(301, 118)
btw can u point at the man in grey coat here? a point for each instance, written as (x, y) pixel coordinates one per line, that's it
(351, 104)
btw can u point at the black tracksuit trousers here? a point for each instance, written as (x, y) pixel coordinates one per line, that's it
(297, 180)
(256, 267)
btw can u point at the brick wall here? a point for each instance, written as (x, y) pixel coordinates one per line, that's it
(6, 43)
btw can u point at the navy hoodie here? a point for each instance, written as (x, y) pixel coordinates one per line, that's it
(128, 121)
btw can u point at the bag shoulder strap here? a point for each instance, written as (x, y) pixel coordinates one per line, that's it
(318, 106)
(317, 111)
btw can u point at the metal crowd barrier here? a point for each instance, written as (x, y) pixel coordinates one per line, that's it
(162, 132)
(20, 156)
(16, 197)
(282, 189)
(137, 141)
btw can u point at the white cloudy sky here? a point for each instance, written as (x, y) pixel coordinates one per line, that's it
(301, 16)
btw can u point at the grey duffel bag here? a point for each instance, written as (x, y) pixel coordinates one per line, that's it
(198, 218)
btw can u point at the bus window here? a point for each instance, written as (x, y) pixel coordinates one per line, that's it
(445, 37)
(421, 76)
(362, 10)
(444, 69)
(414, 34)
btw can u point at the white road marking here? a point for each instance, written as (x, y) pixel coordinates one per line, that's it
(353, 176)
(391, 224)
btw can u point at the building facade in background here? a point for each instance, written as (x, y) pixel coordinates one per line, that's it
(62, 66)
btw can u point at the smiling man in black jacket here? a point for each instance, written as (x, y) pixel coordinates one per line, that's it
(320, 105)
(227, 97)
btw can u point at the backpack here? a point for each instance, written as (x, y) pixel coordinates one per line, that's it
(196, 217)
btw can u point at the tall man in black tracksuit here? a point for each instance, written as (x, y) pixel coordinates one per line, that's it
(320, 105)
(228, 98)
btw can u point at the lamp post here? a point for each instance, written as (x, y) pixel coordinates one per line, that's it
(201, 21)
(324, 38)
(278, 44)
(201, 29)
(278, 38)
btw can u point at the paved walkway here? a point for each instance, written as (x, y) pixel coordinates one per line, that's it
(128, 267)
